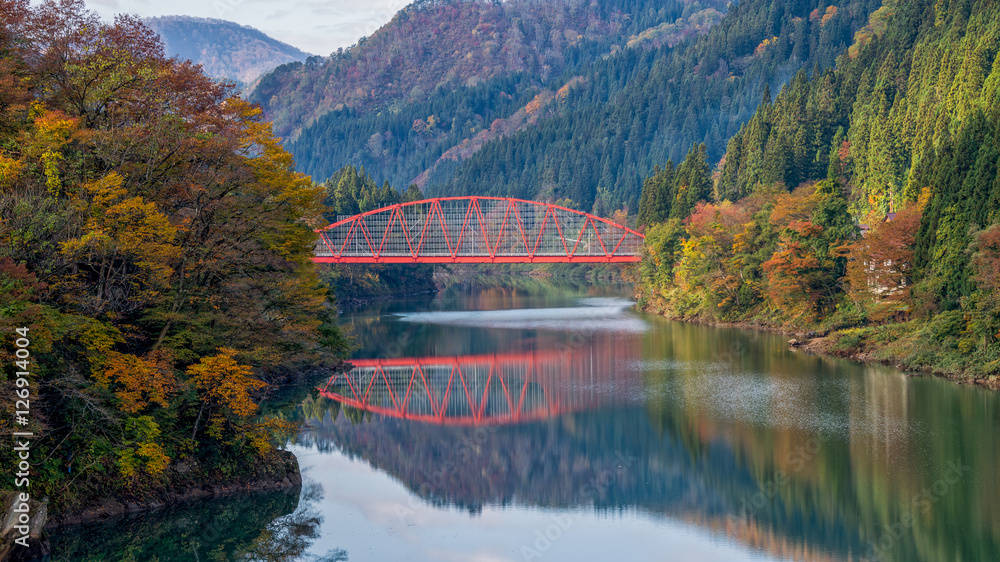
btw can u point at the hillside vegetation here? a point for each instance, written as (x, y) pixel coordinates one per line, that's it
(644, 107)
(902, 137)
(578, 120)
(155, 249)
(435, 47)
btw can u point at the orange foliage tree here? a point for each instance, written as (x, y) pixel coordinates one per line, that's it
(985, 301)
(226, 390)
(139, 382)
(880, 266)
(795, 274)
(706, 272)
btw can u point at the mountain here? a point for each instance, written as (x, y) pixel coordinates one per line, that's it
(580, 123)
(442, 72)
(645, 106)
(224, 49)
(434, 47)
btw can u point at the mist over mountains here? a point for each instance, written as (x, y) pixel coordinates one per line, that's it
(224, 49)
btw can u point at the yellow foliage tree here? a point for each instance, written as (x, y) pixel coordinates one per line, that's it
(10, 170)
(225, 388)
(52, 130)
(142, 451)
(127, 243)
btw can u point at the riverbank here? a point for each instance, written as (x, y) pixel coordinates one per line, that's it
(901, 346)
(187, 480)
(353, 294)
(354, 284)
(906, 346)
(186, 485)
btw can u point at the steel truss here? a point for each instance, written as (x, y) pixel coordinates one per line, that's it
(476, 230)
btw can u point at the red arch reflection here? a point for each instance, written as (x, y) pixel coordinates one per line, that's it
(488, 389)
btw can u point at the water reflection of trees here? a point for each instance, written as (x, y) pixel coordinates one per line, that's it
(503, 286)
(837, 499)
(859, 448)
(610, 461)
(381, 334)
(273, 527)
(805, 457)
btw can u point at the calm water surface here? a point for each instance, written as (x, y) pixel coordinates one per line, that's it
(555, 423)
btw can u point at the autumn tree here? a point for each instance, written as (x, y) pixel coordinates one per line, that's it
(148, 217)
(138, 382)
(880, 266)
(984, 304)
(125, 251)
(804, 274)
(227, 392)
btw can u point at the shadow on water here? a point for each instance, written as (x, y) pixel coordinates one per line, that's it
(274, 526)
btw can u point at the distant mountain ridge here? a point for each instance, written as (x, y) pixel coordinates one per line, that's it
(446, 77)
(224, 49)
(437, 46)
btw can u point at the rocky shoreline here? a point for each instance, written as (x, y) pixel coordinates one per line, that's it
(22, 519)
(285, 475)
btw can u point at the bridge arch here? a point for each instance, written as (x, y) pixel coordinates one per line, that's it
(495, 389)
(476, 230)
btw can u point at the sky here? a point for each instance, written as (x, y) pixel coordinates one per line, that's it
(318, 27)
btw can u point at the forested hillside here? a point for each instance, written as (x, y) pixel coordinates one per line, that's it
(462, 74)
(224, 49)
(155, 263)
(643, 107)
(900, 239)
(435, 47)
(587, 130)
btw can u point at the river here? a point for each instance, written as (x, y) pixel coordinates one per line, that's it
(539, 421)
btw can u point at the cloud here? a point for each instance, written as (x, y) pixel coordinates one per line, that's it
(453, 556)
(112, 5)
(316, 26)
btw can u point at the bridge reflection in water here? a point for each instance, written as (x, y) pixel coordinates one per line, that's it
(489, 389)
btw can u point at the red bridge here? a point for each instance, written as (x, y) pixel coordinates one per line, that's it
(489, 389)
(476, 230)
